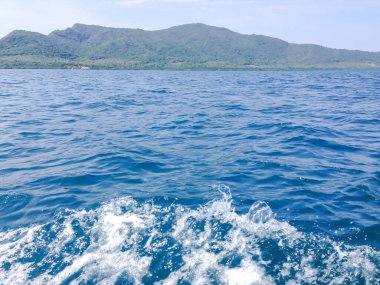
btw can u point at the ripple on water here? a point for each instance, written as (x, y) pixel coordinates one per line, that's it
(306, 142)
(12, 206)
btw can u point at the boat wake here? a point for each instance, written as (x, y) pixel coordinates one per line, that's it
(127, 242)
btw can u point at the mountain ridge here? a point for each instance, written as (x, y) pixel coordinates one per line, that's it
(189, 46)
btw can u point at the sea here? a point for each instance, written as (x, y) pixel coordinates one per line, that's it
(189, 177)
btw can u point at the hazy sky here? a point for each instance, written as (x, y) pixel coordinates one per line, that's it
(353, 24)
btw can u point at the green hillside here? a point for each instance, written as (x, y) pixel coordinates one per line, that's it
(192, 46)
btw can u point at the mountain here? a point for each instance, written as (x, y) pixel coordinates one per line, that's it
(191, 46)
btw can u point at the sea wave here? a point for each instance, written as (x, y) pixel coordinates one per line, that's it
(129, 242)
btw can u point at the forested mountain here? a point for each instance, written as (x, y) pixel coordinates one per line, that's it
(191, 46)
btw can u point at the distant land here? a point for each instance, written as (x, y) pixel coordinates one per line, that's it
(185, 47)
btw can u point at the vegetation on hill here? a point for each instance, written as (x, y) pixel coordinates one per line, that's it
(192, 46)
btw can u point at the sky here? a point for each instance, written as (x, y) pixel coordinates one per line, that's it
(351, 24)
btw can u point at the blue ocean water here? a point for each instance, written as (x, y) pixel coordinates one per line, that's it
(156, 177)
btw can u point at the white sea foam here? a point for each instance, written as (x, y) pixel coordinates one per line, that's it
(127, 242)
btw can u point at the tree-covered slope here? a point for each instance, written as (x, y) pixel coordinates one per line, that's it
(192, 46)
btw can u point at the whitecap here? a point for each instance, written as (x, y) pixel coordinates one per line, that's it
(127, 242)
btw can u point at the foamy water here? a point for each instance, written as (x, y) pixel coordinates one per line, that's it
(124, 242)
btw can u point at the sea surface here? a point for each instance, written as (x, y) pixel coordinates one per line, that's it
(158, 177)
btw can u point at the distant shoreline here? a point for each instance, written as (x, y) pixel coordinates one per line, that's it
(200, 70)
(186, 47)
